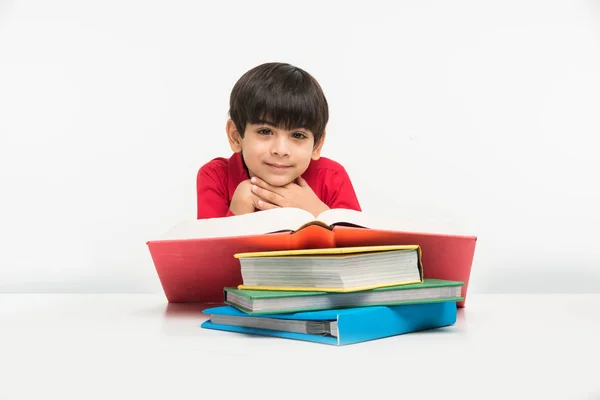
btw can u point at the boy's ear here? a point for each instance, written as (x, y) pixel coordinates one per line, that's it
(316, 153)
(234, 137)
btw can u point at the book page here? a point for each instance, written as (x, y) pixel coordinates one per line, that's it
(257, 223)
(344, 216)
(341, 216)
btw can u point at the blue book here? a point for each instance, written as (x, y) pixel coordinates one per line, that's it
(336, 327)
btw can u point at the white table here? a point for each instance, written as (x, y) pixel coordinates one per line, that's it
(141, 347)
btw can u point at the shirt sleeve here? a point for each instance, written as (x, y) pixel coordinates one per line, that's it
(212, 198)
(343, 194)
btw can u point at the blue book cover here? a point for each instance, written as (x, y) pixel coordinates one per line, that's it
(354, 325)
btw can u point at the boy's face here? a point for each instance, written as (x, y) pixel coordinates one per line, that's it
(275, 155)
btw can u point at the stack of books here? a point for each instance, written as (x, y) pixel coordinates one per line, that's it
(336, 296)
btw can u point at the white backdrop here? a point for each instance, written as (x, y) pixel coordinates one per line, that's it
(460, 117)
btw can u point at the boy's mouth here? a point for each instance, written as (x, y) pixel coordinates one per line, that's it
(278, 166)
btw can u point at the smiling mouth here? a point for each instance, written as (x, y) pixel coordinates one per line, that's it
(278, 166)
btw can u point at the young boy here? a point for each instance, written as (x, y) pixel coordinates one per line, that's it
(278, 114)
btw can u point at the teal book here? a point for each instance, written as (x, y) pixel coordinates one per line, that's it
(258, 302)
(336, 327)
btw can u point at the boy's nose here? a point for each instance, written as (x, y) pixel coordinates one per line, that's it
(280, 147)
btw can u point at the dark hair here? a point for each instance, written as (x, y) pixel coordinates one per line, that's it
(282, 94)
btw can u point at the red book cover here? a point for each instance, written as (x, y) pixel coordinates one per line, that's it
(197, 269)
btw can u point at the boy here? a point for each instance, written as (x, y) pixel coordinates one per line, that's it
(278, 114)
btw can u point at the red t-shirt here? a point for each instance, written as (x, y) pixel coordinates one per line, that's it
(217, 180)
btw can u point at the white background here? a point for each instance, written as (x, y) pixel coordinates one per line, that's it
(459, 117)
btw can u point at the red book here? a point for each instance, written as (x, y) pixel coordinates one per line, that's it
(195, 260)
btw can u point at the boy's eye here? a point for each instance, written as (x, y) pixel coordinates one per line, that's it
(264, 131)
(299, 135)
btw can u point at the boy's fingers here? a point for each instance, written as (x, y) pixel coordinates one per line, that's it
(263, 205)
(265, 194)
(259, 182)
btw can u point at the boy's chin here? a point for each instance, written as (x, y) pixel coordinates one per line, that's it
(278, 181)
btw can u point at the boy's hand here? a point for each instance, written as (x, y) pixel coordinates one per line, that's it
(296, 194)
(246, 202)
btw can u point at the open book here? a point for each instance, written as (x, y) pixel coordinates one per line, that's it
(269, 221)
(195, 259)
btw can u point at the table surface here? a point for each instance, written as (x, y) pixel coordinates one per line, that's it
(139, 346)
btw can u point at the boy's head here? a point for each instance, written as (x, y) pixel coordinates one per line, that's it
(278, 117)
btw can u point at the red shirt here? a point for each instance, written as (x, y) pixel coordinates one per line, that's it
(217, 180)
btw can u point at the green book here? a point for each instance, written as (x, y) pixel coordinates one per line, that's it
(278, 301)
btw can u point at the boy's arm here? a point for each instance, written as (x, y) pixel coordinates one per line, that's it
(212, 199)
